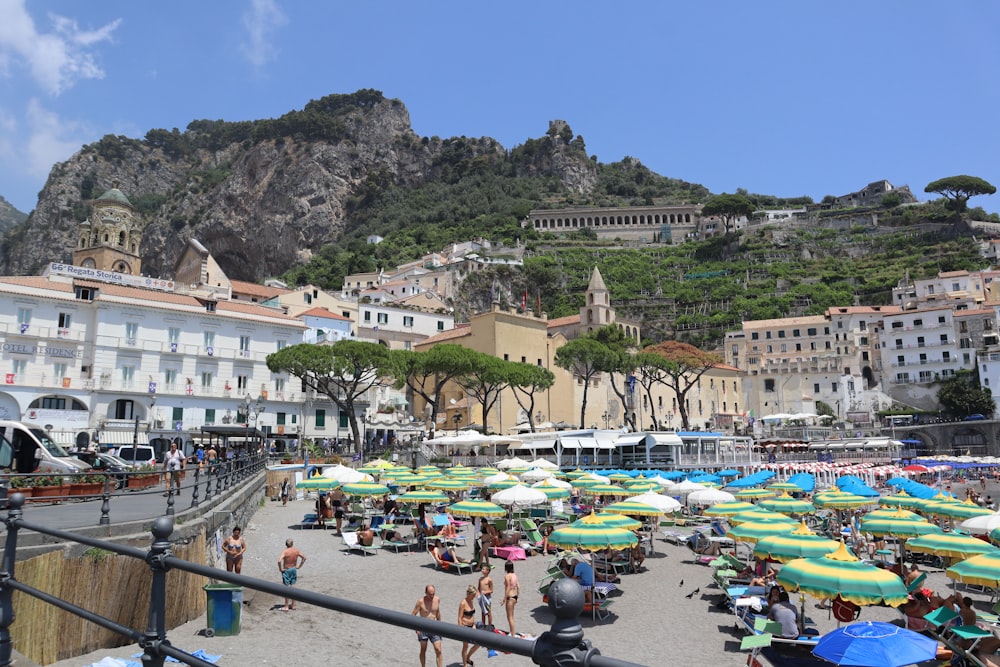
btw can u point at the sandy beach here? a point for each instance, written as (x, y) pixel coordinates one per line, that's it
(655, 618)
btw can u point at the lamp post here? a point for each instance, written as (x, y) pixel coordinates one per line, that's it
(457, 418)
(607, 420)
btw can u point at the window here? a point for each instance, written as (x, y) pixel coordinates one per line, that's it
(244, 346)
(209, 338)
(940, 319)
(170, 377)
(407, 320)
(828, 346)
(280, 419)
(944, 339)
(53, 403)
(769, 348)
(767, 334)
(754, 335)
(769, 385)
(796, 333)
(206, 380)
(524, 360)
(900, 360)
(863, 341)
(383, 318)
(826, 331)
(85, 293)
(177, 415)
(798, 347)
(440, 326)
(209, 415)
(897, 325)
(174, 335)
(367, 316)
(279, 388)
(784, 347)
(850, 385)
(242, 382)
(923, 359)
(812, 346)
(946, 356)
(902, 378)
(833, 387)
(506, 357)
(128, 375)
(321, 419)
(64, 321)
(23, 319)
(920, 341)
(864, 356)
(59, 370)
(811, 331)
(781, 334)
(20, 366)
(280, 344)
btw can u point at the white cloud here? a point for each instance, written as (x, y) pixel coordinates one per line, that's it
(260, 22)
(56, 59)
(49, 139)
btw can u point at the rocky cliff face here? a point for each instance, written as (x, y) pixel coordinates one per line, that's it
(9, 216)
(261, 196)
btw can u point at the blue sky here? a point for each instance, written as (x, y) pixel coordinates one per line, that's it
(785, 98)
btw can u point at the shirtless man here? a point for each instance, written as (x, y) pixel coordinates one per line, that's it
(366, 536)
(486, 595)
(234, 546)
(289, 563)
(429, 606)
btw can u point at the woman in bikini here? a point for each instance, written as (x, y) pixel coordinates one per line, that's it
(511, 589)
(336, 498)
(467, 618)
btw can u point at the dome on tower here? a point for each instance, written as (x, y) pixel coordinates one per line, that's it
(114, 195)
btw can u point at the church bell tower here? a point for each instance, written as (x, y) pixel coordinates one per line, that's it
(109, 239)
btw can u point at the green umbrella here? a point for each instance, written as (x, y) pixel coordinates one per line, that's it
(632, 508)
(586, 483)
(432, 470)
(617, 521)
(842, 575)
(840, 500)
(591, 534)
(785, 486)
(401, 478)
(365, 489)
(800, 543)
(461, 471)
(550, 490)
(575, 474)
(897, 514)
(486, 472)
(744, 494)
(473, 508)
(901, 499)
(447, 484)
(757, 515)
(602, 489)
(982, 570)
(642, 487)
(423, 496)
(950, 545)
(320, 483)
(958, 510)
(753, 531)
(504, 483)
(785, 504)
(728, 509)
(897, 527)
(619, 477)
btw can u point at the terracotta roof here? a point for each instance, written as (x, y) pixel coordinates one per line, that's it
(254, 289)
(978, 312)
(952, 274)
(325, 314)
(727, 367)
(37, 282)
(460, 330)
(563, 321)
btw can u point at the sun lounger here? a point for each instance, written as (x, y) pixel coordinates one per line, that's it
(755, 624)
(310, 521)
(457, 566)
(399, 545)
(350, 540)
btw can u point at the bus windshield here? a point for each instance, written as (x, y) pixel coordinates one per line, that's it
(54, 448)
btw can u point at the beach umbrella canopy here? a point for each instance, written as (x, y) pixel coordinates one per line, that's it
(486, 472)
(684, 487)
(574, 474)
(504, 483)
(758, 515)
(729, 472)
(318, 484)
(605, 490)
(619, 477)
(423, 496)
(897, 527)
(513, 463)
(728, 509)
(550, 490)
(401, 478)
(536, 475)
(917, 468)
(709, 497)
(983, 570)
(950, 545)
(519, 495)
(959, 510)
(448, 483)
(840, 574)
(499, 477)
(753, 531)
(461, 471)
(875, 644)
(745, 494)
(840, 500)
(474, 508)
(804, 480)
(543, 463)
(591, 534)
(618, 521)
(785, 504)
(901, 499)
(785, 486)
(666, 504)
(370, 469)
(800, 543)
(661, 480)
(345, 475)
(632, 508)
(365, 489)
(434, 470)
(982, 525)
(897, 514)
(642, 487)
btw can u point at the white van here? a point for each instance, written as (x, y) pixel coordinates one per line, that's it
(136, 455)
(32, 450)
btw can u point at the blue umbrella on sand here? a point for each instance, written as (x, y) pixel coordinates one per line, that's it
(875, 645)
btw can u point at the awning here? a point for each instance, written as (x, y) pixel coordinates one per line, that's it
(64, 437)
(533, 444)
(569, 443)
(627, 440)
(123, 438)
(668, 439)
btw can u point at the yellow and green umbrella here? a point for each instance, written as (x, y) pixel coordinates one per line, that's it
(901, 499)
(642, 487)
(632, 508)
(423, 496)
(432, 470)
(800, 543)
(619, 477)
(370, 469)
(587, 482)
(318, 484)
(574, 474)
(759, 515)
(729, 509)
(840, 500)
(788, 487)
(504, 483)
(958, 510)
(981, 570)
(591, 534)
(461, 471)
(754, 531)
(897, 527)
(951, 545)
(746, 494)
(447, 483)
(401, 478)
(785, 504)
(617, 521)
(550, 490)
(365, 489)
(841, 574)
(602, 489)
(897, 514)
(473, 508)
(486, 472)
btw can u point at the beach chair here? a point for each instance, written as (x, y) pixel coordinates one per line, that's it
(442, 520)
(310, 520)
(532, 535)
(350, 540)
(447, 566)
(399, 545)
(917, 583)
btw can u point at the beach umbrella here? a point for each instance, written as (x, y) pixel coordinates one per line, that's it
(901, 499)
(959, 510)
(981, 525)
(543, 463)
(728, 473)
(461, 471)
(785, 504)
(840, 500)
(370, 470)
(746, 494)
(875, 644)
(804, 480)
(605, 490)
(982, 570)
(618, 521)
(683, 488)
(498, 477)
(709, 497)
(574, 474)
(318, 483)
(448, 483)
(800, 543)
(501, 484)
(474, 508)
(433, 470)
(785, 486)
(759, 515)
(486, 472)
(666, 504)
(536, 475)
(728, 509)
(950, 545)
(519, 495)
(897, 527)
(345, 475)
(591, 534)
(551, 491)
(897, 514)
(840, 574)
(752, 531)
(587, 482)
(917, 468)
(619, 477)
(365, 489)
(423, 496)
(515, 462)
(401, 478)
(642, 487)
(632, 508)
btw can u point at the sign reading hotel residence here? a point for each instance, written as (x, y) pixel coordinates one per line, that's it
(112, 277)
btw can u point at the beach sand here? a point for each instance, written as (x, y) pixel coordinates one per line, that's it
(653, 620)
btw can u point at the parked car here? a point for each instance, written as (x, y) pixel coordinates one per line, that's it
(974, 417)
(104, 462)
(33, 450)
(136, 456)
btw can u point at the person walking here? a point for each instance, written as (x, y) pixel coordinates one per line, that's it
(467, 619)
(290, 562)
(486, 595)
(173, 464)
(429, 606)
(284, 491)
(511, 590)
(234, 546)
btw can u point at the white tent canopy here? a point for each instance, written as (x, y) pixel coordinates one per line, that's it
(519, 495)
(709, 497)
(543, 463)
(659, 501)
(535, 475)
(345, 475)
(515, 462)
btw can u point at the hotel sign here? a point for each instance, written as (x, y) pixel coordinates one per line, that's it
(113, 277)
(45, 350)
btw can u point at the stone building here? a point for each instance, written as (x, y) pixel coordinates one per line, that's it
(109, 239)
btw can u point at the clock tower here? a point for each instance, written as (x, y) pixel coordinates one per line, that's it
(109, 239)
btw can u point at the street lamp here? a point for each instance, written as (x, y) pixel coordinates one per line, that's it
(457, 418)
(607, 420)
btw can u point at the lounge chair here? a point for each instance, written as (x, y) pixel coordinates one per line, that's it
(755, 624)
(449, 566)
(310, 520)
(532, 536)
(399, 545)
(350, 540)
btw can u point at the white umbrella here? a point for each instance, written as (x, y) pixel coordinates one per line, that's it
(544, 464)
(709, 497)
(599, 478)
(685, 487)
(662, 481)
(982, 525)
(659, 501)
(519, 495)
(513, 463)
(536, 475)
(552, 481)
(499, 477)
(346, 475)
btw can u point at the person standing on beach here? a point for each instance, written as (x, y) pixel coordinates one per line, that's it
(284, 491)
(511, 590)
(289, 563)
(467, 619)
(486, 595)
(429, 606)
(234, 546)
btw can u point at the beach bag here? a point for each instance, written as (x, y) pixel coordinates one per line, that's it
(845, 611)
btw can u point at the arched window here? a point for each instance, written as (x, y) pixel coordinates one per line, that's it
(121, 239)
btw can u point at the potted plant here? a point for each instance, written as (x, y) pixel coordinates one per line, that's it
(20, 484)
(143, 477)
(49, 486)
(87, 485)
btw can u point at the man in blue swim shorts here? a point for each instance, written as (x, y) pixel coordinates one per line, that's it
(429, 606)
(289, 562)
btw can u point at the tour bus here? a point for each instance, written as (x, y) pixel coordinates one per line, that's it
(28, 448)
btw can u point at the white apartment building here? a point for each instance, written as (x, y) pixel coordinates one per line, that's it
(959, 286)
(399, 328)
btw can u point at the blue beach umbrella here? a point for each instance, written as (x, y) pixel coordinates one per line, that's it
(873, 644)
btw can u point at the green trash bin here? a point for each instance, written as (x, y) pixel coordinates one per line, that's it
(225, 604)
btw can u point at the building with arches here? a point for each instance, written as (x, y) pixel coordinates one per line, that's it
(109, 239)
(651, 224)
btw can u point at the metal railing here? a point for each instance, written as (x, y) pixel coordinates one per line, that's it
(561, 646)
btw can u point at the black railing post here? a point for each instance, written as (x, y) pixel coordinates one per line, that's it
(170, 500)
(218, 478)
(14, 505)
(564, 645)
(156, 624)
(208, 482)
(194, 491)
(106, 501)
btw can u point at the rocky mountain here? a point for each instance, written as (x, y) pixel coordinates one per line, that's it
(264, 195)
(10, 216)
